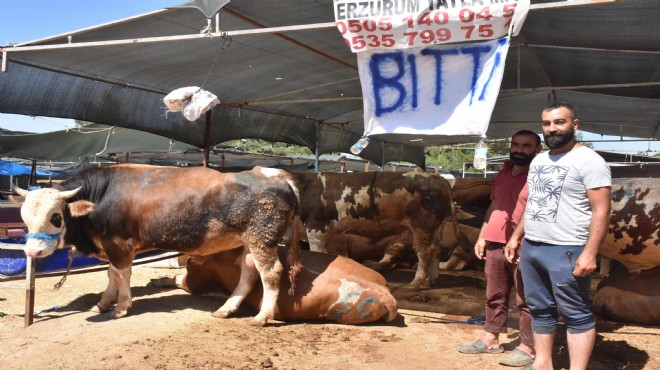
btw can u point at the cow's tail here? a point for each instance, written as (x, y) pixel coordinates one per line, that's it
(293, 257)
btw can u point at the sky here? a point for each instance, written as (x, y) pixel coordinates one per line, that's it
(29, 20)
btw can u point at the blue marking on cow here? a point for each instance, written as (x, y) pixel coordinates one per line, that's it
(337, 314)
(343, 300)
(363, 304)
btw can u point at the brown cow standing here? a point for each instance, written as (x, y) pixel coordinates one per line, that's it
(115, 212)
(375, 205)
(332, 288)
(472, 198)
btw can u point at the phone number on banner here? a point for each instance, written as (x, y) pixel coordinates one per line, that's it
(362, 31)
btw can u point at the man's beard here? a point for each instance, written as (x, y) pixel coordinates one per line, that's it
(521, 159)
(559, 140)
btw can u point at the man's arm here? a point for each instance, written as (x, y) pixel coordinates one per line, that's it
(480, 245)
(512, 245)
(600, 200)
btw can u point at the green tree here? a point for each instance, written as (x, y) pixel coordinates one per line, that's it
(269, 148)
(579, 137)
(452, 157)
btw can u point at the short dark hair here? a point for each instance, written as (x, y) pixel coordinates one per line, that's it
(557, 105)
(528, 133)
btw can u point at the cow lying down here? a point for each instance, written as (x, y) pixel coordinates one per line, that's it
(332, 288)
(628, 297)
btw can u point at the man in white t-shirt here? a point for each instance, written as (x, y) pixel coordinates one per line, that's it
(566, 219)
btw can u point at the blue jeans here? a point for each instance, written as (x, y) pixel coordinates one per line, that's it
(552, 290)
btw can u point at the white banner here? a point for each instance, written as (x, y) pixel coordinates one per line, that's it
(401, 24)
(437, 90)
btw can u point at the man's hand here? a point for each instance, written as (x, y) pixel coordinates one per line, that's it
(585, 265)
(511, 250)
(479, 248)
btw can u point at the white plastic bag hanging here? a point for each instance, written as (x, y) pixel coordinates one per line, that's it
(192, 101)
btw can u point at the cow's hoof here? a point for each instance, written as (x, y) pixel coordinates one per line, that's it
(415, 286)
(257, 322)
(444, 266)
(164, 282)
(118, 314)
(99, 308)
(223, 313)
(452, 265)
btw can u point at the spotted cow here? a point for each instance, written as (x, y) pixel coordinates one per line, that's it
(631, 294)
(633, 236)
(375, 205)
(115, 212)
(329, 288)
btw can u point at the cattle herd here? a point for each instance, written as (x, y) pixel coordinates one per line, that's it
(242, 232)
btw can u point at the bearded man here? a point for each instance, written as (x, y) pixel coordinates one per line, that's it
(566, 219)
(508, 197)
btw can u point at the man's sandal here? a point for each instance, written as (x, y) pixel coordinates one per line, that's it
(517, 358)
(478, 347)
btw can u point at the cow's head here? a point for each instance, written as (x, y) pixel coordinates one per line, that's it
(44, 212)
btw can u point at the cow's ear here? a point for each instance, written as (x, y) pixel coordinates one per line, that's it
(15, 200)
(80, 208)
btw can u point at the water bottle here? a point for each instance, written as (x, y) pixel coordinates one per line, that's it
(480, 155)
(358, 147)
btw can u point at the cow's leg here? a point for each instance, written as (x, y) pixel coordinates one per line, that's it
(270, 268)
(178, 281)
(423, 247)
(118, 291)
(249, 276)
(604, 267)
(317, 240)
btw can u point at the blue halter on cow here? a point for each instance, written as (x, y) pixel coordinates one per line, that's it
(115, 212)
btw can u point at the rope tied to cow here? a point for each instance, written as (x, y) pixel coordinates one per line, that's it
(72, 254)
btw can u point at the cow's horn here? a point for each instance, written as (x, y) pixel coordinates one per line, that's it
(21, 192)
(69, 193)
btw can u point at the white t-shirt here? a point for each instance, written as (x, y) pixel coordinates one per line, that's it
(558, 209)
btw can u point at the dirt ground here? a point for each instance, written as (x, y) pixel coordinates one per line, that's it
(169, 329)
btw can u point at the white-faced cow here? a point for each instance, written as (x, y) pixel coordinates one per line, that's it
(377, 204)
(633, 239)
(329, 288)
(115, 212)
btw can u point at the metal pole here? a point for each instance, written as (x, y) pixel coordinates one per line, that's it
(382, 156)
(33, 173)
(29, 291)
(276, 30)
(316, 148)
(207, 138)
